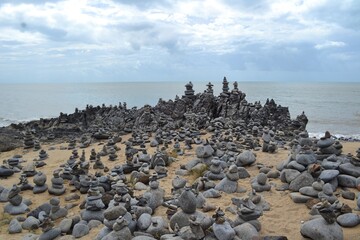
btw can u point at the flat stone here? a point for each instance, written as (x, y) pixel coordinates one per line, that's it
(327, 175)
(211, 193)
(226, 185)
(309, 191)
(319, 229)
(350, 169)
(50, 235)
(348, 195)
(303, 180)
(346, 181)
(288, 175)
(140, 186)
(299, 198)
(65, 225)
(297, 166)
(348, 220)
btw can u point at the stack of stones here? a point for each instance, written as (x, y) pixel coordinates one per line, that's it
(28, 140)
(178, 185)
(155, 195)
(247, 222)
(216, 170)
(327, 146)
(43, 155)
(93, 155)
(72, 144)
(29, 170)
(205, 153)
(229, 184)
(98, 163)
(259, 184)
(57, 187)
(40, 183)
(14, 163)
(187, 203)
(36, 145)
(24, 183)
(94, 206)
(16, 204)
(112, 154)
(84, 141)
(56, 211)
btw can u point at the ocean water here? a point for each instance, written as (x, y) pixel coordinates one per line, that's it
(329, 106)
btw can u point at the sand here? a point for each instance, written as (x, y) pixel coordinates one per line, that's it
(284, 218)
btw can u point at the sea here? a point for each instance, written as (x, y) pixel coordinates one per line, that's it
(329, 106)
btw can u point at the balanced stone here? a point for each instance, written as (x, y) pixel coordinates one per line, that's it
(57, 187)
(16, 204)
(229, 184)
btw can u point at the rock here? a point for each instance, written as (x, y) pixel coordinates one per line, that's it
(80, 230)
(144, 221)
(299, 198)
(273, 174)
(114, 212)
(319, 229)
(211, 193)
(245, 158)
(204, 151)
(350, 169)
(348, 220)
(30, 223)
(65, 225)
(182, 219)
(140, 186)
(30, 236)
(94, 224)
(51, 234)
(226, 185)
(309, 191)
(5, 172)
(346, 181)
(246, 231)
(288, 175)
(303, 180)
(243, 173)
(348, 195)
(327, 175)
(297, 166)
(187, 201)
(223, 231)
(14, 226)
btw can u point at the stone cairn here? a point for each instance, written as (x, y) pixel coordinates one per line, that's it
(57, 187)
(94, 206)
(40, 183)
(28, 140)
(16, 204)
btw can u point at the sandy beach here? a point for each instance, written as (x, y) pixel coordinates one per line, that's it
(284, 218)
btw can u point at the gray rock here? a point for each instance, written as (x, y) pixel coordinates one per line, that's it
(182, 219)
(113, 213)
(273, 174)
(324, 143)
(305, 159)
(51, 234)
(94, 224)
(143, 238)
(30, 223)
(309, 191)
(211, 193)
(245, 158)
(16, 210)
(299, 198)
(246, 231)
(327, 189)
(303, 180)
(65, 225)
(327, 175)
(319, 229)
(288, 175)
(30, 236)
(223, 231)
(297, 166)
(226, 185)
(14, 226)
(92, 215)
(204, 151)
(348, 195)
(348, 220)
(80, 230)
(103, 232)
(187, 201)
(144, 221)
(243, 173)
(350, 169)
(346, 181)
(140, 186)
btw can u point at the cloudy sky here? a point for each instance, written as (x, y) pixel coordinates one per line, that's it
(168, 40)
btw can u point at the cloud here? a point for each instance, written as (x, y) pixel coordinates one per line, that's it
(177, 36)
(330, 44)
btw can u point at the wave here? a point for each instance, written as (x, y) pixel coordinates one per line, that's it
(4, 122)
(346, 137)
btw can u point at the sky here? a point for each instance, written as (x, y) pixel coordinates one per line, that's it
(179, 40)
